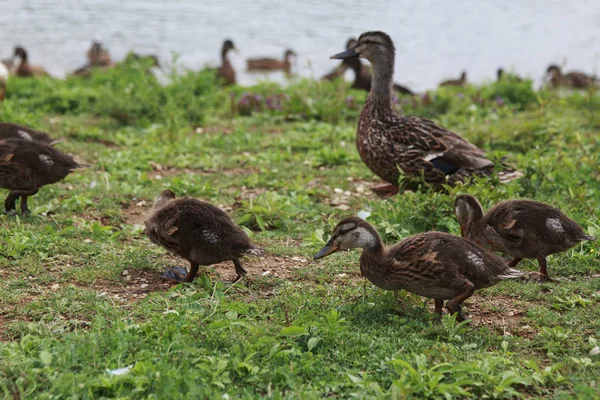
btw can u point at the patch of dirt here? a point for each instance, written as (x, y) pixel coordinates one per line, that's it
(164, 171)
(137, 285)
(501, 313)
(136, 213)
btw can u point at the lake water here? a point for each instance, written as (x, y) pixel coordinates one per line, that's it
(434, 39)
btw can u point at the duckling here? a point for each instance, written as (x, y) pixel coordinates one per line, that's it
(98, 56)
(435, 265)
(24, 69)
(519, 228)
(14, 131)
(271, 64)
(4, 75)
(574, 79)
(26, 166)
(226, 72)
(456, 82)
(197, 231)
(388, 142)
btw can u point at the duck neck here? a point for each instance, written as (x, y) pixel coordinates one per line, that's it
(371, 256)
(381, 84)
(224, 55)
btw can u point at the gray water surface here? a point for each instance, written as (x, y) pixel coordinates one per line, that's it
(434, 39)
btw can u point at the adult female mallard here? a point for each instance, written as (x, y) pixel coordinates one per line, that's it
(519, 228)
(24, 69)
(226, 72)
(388, 142)
(435, 265)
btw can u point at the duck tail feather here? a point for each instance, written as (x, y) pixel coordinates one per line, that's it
(511, 273)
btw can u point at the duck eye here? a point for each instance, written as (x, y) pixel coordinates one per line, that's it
(368, 41)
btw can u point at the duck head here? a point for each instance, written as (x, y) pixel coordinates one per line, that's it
(373, 46)
(20, 53)
(468, 210)
(228, 45)
(351, 233)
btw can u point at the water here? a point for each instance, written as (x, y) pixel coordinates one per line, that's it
(434, 39)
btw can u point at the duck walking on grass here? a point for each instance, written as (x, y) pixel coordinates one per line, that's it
(197, 231)
(519, 228)
(435, 265)
(388, 142)
(26, 166)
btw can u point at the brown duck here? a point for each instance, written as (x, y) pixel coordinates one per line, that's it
(24, 69)
(574, 79)
(435, 265)
(226, 72)
(26, 166)
(271, 64)
(14, 131)
(197, 231)
(388, 142)
(519, 228)
(456, 82)
(98, 56)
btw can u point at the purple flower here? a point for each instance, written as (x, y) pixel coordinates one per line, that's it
(499, 101)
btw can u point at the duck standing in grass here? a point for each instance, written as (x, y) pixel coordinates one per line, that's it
(24, 69)
(14, 131)
(462, 81)
(519, 228)
(26, 166)
(435, 265)
(388, 142)
(574, 79)
(226, 72)
(271, 64)
(197, 231)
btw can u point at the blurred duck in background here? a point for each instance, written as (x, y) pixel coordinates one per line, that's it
(574, 79)
(22, 67)
(272, 64)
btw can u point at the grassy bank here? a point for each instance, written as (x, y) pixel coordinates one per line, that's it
(80, 288)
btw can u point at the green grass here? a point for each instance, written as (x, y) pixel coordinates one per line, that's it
(286, 168)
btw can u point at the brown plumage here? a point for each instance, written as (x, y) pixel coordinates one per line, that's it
(339, 71)
(197, 231)
(501, 75)
(519, 228)
(26, 166)
(388, 142)
(435, 265)
(271, 64)
(226, 72)
(456, 82)
(98, 56)
(574, 79)
(25, 69)
(14, 131)
(4, 76)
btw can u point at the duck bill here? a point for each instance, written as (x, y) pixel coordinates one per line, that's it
(344, 54)
(329, 248)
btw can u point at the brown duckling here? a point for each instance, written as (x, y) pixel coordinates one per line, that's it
(197, 231)
(24, 69)
(271, 64)
(14, 131)
(574, 79)
(456, 82)
(435, 265)
(98, 56)
(519, 228)
(226, 72)
(26, 166)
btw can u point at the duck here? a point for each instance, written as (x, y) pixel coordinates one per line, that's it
(389, 143)
(573, 79)
(98, 56)
(197, 231)
(26, 166)
(339, 71)
(519, 228)
(4, 75)
(14, 131)
(23, 68)
(226, 72)
(462, 81)
(271, 64)
(362, 73)
(500, 75)
(434, 265)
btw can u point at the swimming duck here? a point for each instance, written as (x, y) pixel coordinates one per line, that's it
(14, 131)
(4, 75)
(456, 82)
(197, 231)
(26, 166)
(271, 64)
(226, 72)
(387, 141)
(435, 265)
(24, 69)
(574, 79)
(519, 228)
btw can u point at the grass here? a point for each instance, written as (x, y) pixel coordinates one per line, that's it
(80, 292)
